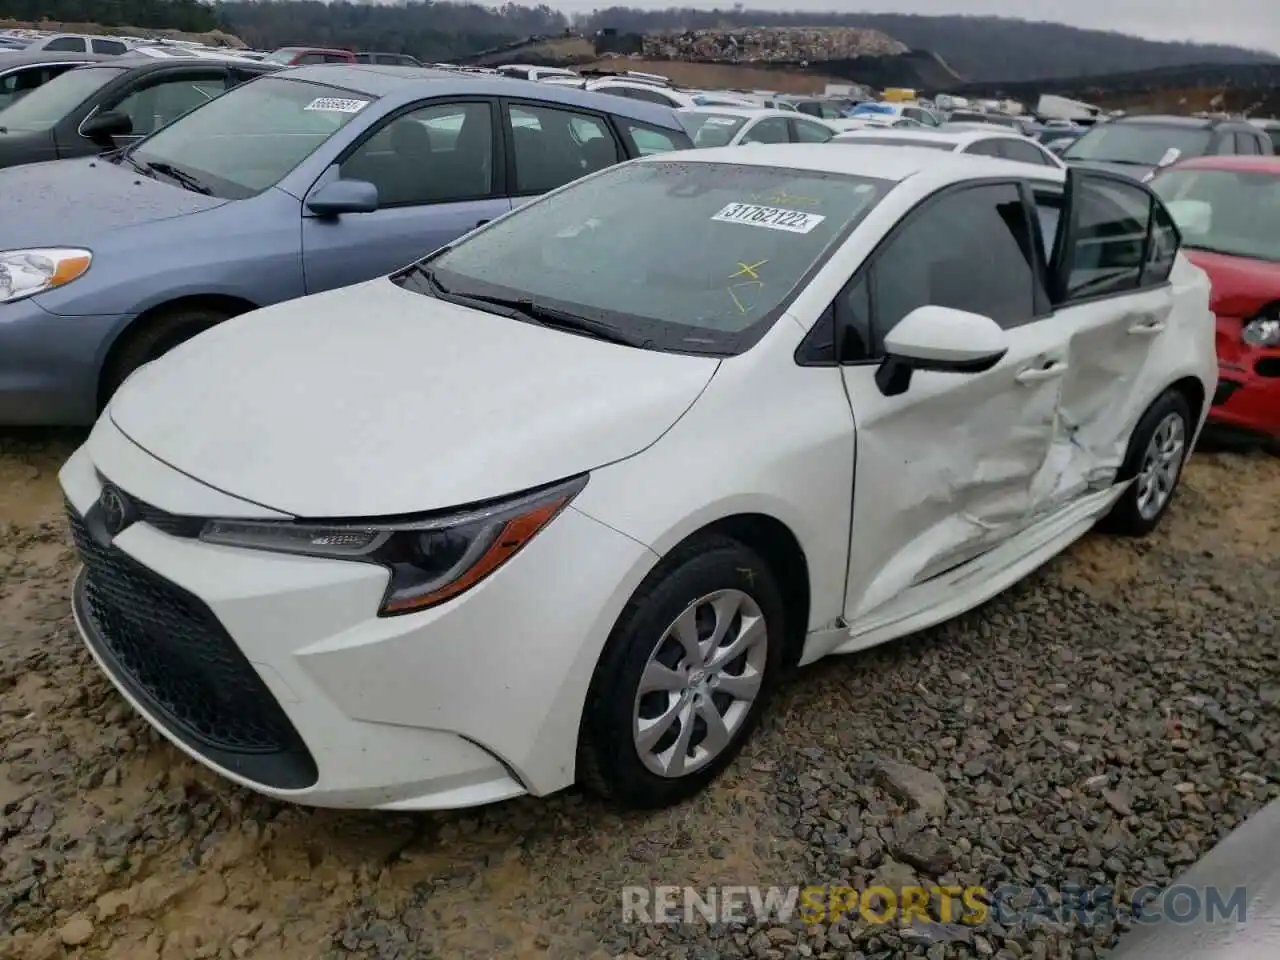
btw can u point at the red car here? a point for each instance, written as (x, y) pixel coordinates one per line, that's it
(1228, 212)
(295, 56)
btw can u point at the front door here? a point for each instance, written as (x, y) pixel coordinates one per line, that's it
(437, 177)
(1110, 262)
(953, 466)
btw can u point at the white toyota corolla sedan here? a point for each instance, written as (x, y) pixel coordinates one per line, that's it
(565, 500)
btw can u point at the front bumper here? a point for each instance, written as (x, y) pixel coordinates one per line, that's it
(274, 671)
(1247, 400)
(49, 365)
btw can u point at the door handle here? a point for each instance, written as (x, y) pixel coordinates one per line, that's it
(1145, 326)
(1041, 374)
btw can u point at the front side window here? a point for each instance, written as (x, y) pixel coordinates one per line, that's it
(711, 129)
(1232, 212)
(248, 139)
(47, 106)
(1140, 144)
(1246, 144)
(770, 130)
(437, 154)
(686, 257)
(158, 104)
(66, 45)
(969, 250)
(554, 146)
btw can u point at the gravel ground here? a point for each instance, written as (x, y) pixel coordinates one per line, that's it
(1103, 723)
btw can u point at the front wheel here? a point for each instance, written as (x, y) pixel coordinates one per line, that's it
(1157, 451)
(684, 676)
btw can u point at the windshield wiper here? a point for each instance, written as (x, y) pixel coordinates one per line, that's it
(529, 309)
(192, 183)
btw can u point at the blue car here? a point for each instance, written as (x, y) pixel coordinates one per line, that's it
(308, 179)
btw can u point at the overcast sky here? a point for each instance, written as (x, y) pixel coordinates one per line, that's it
(1247, 23)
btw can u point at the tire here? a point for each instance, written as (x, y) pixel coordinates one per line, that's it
(152, 339)
(1133, 515)
(609, 757)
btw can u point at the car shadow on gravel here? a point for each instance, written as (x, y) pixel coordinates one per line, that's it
(1103, 723)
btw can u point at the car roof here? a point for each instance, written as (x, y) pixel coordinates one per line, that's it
(957, 137)
(879, 162)
(142, 61)
(1169, 120)
(1245, 163)
(22, 58)
(745, 112)
(405, 84)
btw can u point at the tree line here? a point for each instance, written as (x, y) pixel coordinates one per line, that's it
(978, 48)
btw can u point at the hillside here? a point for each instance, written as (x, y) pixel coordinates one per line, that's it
(975, 48)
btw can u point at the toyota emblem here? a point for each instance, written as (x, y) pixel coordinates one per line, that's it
(116, 510)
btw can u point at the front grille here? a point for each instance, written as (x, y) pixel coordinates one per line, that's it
(174, 656)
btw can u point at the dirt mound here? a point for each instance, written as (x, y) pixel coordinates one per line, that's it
(722, 76)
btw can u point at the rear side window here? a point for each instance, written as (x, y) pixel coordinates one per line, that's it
(985, 148)
(1246, 144)
(553, 147)
(113, 47)
(1024, 152)
(807, 132)
(770, 130)
(643, 139)
(648, 96)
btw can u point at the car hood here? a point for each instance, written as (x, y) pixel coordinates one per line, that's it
(373, 401)
(1134, 171)
(1241, 286)
(66, 202)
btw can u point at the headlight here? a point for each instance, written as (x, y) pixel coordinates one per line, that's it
(1263, 331)
(431, 560)
(24, 273)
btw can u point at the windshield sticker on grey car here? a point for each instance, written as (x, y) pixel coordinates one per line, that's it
(336, 105)
(772, 218)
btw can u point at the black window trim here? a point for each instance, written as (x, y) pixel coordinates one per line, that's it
(508, 147)
(132, 82)
(1065, 244)
(497, 176)
(808, 353)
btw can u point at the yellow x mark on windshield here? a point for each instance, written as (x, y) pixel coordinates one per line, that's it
(748, 270)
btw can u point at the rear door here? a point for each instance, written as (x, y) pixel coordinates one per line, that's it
(954, 465)
(549, 145)
(437, 172)
(1111, 246)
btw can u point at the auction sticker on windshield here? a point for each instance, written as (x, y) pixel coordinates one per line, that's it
(772, 218)
(336, 105)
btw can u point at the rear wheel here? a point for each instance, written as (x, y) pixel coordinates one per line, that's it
(684, 677)
(1157, 451)
(153, 338)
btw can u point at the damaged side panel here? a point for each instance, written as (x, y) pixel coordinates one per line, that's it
(948, 469)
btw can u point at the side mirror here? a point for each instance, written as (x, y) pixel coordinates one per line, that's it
(343, 196)
(104, 126)
(941, 340)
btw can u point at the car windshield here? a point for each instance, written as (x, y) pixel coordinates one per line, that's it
(248, 139)
(1233, 212)
(675, 255)
(711, 129)
(47, 105)
(1141, 144)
